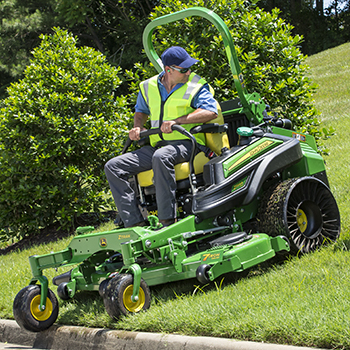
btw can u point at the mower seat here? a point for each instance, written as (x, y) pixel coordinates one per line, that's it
(182, 170)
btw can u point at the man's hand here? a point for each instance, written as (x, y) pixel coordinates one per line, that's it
(166, 126)
(134, 133)
(139, 120)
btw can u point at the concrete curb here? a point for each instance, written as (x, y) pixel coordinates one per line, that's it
(82, 338)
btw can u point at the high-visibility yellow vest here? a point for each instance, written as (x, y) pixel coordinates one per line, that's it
(176, 105)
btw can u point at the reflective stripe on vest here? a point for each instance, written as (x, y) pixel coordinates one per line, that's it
(176, 105)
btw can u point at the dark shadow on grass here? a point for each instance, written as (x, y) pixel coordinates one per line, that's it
(173, 290)
(73, 311)
(54, 232)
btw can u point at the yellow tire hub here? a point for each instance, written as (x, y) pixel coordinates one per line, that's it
(35, 309)
(129, 304)
(301, 220)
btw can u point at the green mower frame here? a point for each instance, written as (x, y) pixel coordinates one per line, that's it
(268, 193)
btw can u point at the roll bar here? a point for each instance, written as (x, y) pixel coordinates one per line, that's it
(253, 105)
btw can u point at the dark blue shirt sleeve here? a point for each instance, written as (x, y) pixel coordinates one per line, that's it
(205, 100)
(141, 105)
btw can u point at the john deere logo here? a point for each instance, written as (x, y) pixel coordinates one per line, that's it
(103, 242)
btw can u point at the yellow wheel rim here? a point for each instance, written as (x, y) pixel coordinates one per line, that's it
(35, 309)
(129, 304)
(301, 220)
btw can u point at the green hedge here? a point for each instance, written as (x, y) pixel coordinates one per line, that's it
(58, 127)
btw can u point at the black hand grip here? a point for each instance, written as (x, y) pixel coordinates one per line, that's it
(143, 133)
(283, 123)
(148, 132)
(213, 128)
(128, 143)
(181, 130)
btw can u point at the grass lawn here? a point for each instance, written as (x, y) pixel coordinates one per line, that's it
(330, 69)
(304, 301)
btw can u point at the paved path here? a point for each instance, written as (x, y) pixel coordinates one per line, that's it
(82, 338)
(8, 346)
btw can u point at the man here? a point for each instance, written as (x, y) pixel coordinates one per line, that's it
(175, 96)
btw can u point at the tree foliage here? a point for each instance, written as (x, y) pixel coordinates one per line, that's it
(321, 27)
(112, 27)
(58, 127)
(338, 21)
(21, 24)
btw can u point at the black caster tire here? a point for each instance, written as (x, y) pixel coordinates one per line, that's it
(202, 273)
(62, 291)
(102, 287)
(303, 210)
(117, 296)
(26, 309)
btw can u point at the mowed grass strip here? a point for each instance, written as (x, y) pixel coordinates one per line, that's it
(303, 301)
(330, 69)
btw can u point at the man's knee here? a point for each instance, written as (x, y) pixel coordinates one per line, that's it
(109, 166)
(114, 168)
(162, 157)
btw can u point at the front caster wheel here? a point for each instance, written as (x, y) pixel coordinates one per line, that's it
(202, 273)
(118, 293)
(62, 291)
(102, 287)
(27, 312)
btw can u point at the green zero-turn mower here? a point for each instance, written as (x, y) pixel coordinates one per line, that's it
(266, 191)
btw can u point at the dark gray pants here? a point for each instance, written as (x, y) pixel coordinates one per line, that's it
(162, 161)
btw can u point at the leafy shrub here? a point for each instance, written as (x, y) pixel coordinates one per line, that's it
(270, 58)
(58, 127)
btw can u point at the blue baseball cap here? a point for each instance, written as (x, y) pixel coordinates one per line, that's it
(177, 56)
